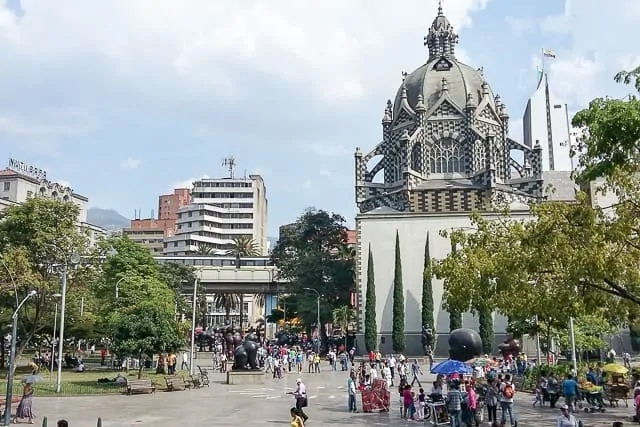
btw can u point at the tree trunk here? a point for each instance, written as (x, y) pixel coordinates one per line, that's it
(140, 366)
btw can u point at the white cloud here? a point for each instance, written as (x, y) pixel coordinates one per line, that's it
(327, 174)
(324, 48)
(586, 68)
(521, 26)
(187, 183)
(129, 163)
(307, 184)
(48, 123)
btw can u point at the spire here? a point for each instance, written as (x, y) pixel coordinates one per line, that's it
(445, 87)
(420, 104)
(441, 39)
(388, 111)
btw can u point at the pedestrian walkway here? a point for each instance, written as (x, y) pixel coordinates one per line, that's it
(268, 405)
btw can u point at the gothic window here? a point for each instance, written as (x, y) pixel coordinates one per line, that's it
(447, 156)
(416, 158)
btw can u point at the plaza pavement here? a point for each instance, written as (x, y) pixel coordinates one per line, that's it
(264, 405)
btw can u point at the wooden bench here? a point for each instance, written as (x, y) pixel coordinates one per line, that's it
(140, 386)
(196, 380)
(176, 383)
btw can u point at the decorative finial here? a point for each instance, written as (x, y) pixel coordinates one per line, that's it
(471, 103)
(404, 92)
(485, 88)
(440, 13)
(481, 71)
(420, 104)
(404, 76)
(445, 88)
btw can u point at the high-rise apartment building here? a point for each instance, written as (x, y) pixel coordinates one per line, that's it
(547, 122)
(221, 210)
(151, 232)
(168, 204)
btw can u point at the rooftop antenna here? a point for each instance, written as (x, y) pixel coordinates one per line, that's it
(230, 164)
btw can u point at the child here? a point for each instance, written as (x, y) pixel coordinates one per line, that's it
(538, 397)
(420, 406)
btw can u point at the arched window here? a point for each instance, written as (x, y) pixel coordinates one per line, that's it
(416, 158)
(447, 156)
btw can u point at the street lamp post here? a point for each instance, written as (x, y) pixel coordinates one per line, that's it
(53, 340)
(12, 362)
(318, 318)
(192, 353)
(118, 286)
(75, 259)
(573, 345)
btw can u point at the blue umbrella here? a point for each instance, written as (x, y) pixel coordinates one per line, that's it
(450, 367)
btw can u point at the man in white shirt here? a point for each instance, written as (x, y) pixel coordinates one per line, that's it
(373, 373)
(392, 368)
(301, 399)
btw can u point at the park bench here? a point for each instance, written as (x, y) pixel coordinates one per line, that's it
(176, 383)
(204, 376)
(196, 380)
(140, 386)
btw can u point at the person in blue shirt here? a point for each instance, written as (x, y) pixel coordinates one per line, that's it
(591, 376)
(570, 391)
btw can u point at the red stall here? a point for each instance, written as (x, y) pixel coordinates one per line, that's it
(377, 398)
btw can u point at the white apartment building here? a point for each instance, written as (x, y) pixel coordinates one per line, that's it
(555, 144)
(220, 211)
(17, 186)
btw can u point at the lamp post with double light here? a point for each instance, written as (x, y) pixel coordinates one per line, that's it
(53, 340)
(12, 361)
(318, 317)
(192, 353)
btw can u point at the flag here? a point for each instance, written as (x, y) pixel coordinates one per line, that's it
(547, 53)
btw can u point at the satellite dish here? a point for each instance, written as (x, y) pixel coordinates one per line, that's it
(75, 258)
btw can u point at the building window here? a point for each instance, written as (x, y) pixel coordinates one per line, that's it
(29, 194)
(446, 156)
(245, 307)
(7, 186)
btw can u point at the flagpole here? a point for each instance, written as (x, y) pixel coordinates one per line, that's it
(542, 57)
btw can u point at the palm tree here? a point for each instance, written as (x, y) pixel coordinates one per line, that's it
(244, 246)
(204, 249)
(228, 301)
(259, 299)
(342, 316)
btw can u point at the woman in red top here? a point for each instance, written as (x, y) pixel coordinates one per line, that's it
(407, 400)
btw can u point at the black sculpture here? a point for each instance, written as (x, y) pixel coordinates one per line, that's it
(246, 354)
(464, 344)
(427, 339)
(510, 347)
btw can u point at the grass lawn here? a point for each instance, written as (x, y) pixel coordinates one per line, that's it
(75, 383)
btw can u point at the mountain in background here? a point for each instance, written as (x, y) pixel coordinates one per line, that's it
(107, 219)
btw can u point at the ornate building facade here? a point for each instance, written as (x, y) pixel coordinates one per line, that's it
(445, 152)
(445, 144)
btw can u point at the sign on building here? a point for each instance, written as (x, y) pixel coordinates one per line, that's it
(27, 169)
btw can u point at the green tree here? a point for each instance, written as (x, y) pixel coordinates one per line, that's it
(145, 329)
(36, 238)
(179, 278)
(370, 323)
(397, 332)
(309, 254)
(427, 290)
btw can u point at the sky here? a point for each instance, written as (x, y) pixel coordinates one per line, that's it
(126, 99)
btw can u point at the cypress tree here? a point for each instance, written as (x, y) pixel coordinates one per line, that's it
(427, 291)
(455, 317)
(370, 326)
(485, 319)
(397, 333)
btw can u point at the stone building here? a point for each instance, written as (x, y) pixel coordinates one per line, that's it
(445, 152)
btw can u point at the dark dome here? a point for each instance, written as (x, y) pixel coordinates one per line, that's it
(462, 80)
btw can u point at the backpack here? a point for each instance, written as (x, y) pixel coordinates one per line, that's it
(508, 391)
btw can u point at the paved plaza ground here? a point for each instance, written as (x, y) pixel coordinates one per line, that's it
(267, 405)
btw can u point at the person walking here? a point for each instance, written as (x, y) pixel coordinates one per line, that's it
(454, 404)
(416, 371)
(491, 399)
(507, 392)
(301, 399)
(24, 409)
(352, 390)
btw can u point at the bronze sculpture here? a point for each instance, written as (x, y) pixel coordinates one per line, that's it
(510, 347)
(427, 339)
(246, 354)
